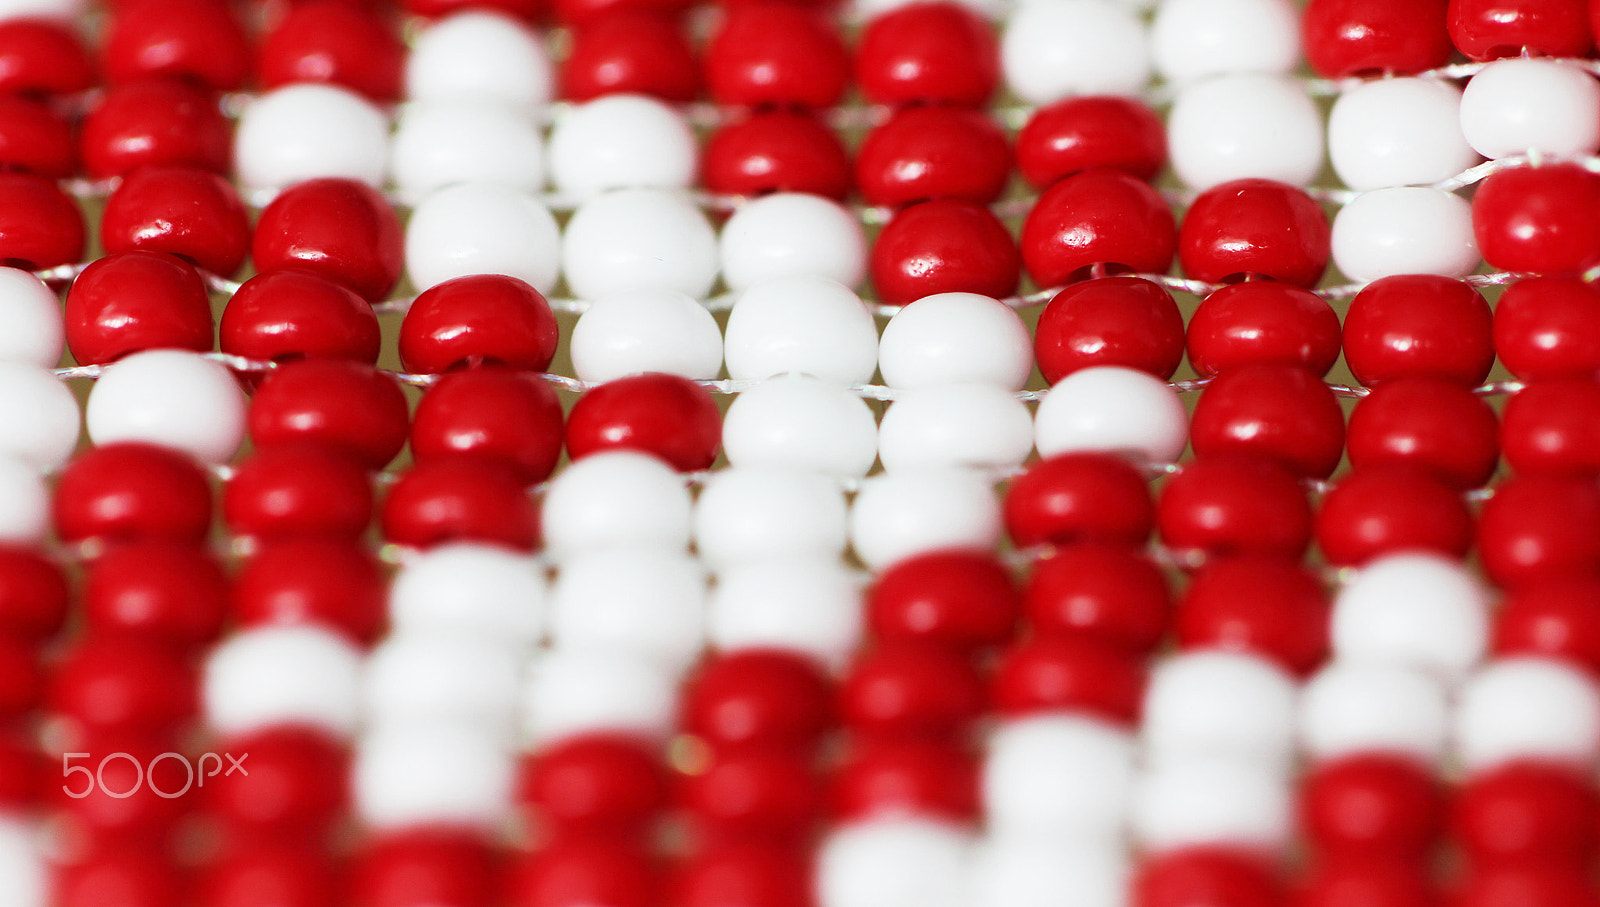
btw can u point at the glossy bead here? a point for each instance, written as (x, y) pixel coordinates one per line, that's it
(1109, 409)
(1232, 504)
(510, 417)
(289, 313)
(314, 581)
(33, 594)
(1554, 884)
(483, 590)
(1486, 30)
(1414, 610)
(1084, 47)
(349, 45)
(31, 329)
(1207, 801)
(908, 55)
(1371, 805)
(801, 324)
(1376, 883)
(944, 246)
(761, 797)
(644, 602)
(761, 875)
(1192, 39)
(1242, 126)
(290, 490)
(1522, 106)
(160, 589)
(1063, 674)
(38, 56)
(36, 139)
(296, 782)
(132, 490)
(898, 514)
(24, 503)
(921, 153)
(620, 141)
(964, 600)
(1551, 619)
(1098, 217)
(633, 239)
(1543, 328)
(1404, 230)
(1254, 227)
(905, 777)
(1077, 134)
(911, 690)
(1391, 331)
(479, 54)
(307, 131)
(751, 513)
(1224, 705)
(789, 235)
(40, 416)
(335, 228)
(346, 405)
(1549, 428)
(584, 871)
(976, 425)
(438, 144)
(481, 319)
(438, 865)
(1526, 811)
(626, 51)
(132, 301)
(1352, 708)
(1118, 321)
(799, 422)
(317, 681)
(184, 211)
(459, 683)
(637, 331)
(955, 337)
(775, 151)
(1008, 870)
(41, 226)
(144, 879)
(23, 679)
(1382, 509)
(801, 604)
(1106, 594)
(1539, 526)
(460, 498)
(165, 122)
(1430, 423)
(407, 775)
(293, 874)
(1262, 321)
(1090, 764)
(25, 872)
(1079, 497)
(185, 39)
(776, 54)
(1359, 37)
(1531, 219)
(173, 398)
(610, 784)
(478, 228)
(892, 861)
(123, 683)
(612, 498)
(1527, 708)
(758, 698)
(1280, 412)
(1399, 132)
(1269, 607)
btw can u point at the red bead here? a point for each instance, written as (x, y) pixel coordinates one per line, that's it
(758, 698)
(304, 489)
(345, 405)
(440, 867)
(119, 808)
(1079, 497)
(774, 53)
(911, 690)
(333, 583)
(131, 490)
(162, 589)
(124, 684)
(1540, 527)
(165, 122)
(350, 45)
(667, 416)
(922, 153)
(1537, 219)
(460, 499)
(1077, 134)
(1380, 882)
(33, 595)
(903, 777)
(742, 874)
(1419, 326)
(1386, 509)
(24, 773)
(477, 320)
(1064, 673)
(1097, 217)
(634, 52)
(132, 301)
(1362, 37)
(1263, 321)
(1554, 618)
(606, 785)
(1548, 327)
(1255, 228)
(582, 12)
(1506, 885)
(21, 678)
(336, 228)
(292, 314)
(184, 211)
(295, 787)
(928, 53)
(1281, 412)
(1233, 504)
(528, 11)
(511, 417)
(753, 795)
(40, 57)
(1270, 607)
(40, 226)
(573, 872)
(962, 599)
(1433, 424)
(776, 151)
(1205, 877)
(36, 139)
(1109, 595)
(1526, 811)
(1371, 805)
(1490, 29)
(119, 877)
(1122, 321)
(944, 246)
(197, 40)
(291, 875)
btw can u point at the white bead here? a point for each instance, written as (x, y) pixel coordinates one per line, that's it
(1404, 230)
(1061, 777)
(414, 775)
(24, 503)
(480, 228)
(812, 325)
(1355, 707)
(174, 398)
(1245, 125)
(633, 331)
(24, 874)
(469, 588)
(1049, 51)
(31, 329)
(64, 11)
(800, 422)
(39, 417)
(634, 239)
(810, 605)
(1415, 610)
(894, 862)
(1398, 132)
(620, 141)
(650, 602)
(480, 55)
(979, 425)
(865, 10)
(951, 338)
(748, 513)
(1213, 801)
(615, 498)
(440, 143)
(898, 514)
(448, 680)
(1516, 106)
(1114, 409)
(1192, 39)
(792, 233)
(1528, 708)
(304, 131)
(579, 691)
(283, 675)
(1214, 703)
(1040, 872)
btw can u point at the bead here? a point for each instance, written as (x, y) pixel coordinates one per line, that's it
(1063, 674)
(1105, 594)
(1543, 329)
(1254, 228)
(36, 138)
(469, 587)
(461, 685)
(758, 699)
(1437, 425)
(169, 397)
(480, 55)
(1355, 707)
(289, 313)
(776, 54)
(892, 862)
(40, 416)
(22, 865)
(977, 425)
(296, 782)
(1372, 805)
(185, 211)
(460, 498)
(633, 331)
(932, 53)
(1279, 412)
(585, 871)
(41, 227)
(1383, 509)
(759, 874)
(1554, 884)
(804, 324)
(1097, 217)
(475, 228)
(38, 56)
(409, 775)
(282, 675)
(800, 422)
(1245, 125)
(482, 319)
(146, 879)
(1551, 619)
(610, 784)
(132, 301)
(510, 417)
(1359, 37)
(307, 580)
(645, 602)
(912, 690)
(127, 684)
(801, 604)
(1210, 874)
(571, 692)
(1079, 497)
(944, 246)
(1537, 526)
(158, 589)
(1049, 51)
(1268, 607)
(307, 131)
(922, 153)
(898, 514)
(1520, 106)
(336, 228)
(33, 594)
(620, 142)
(634, 239)
(790, 234)
(1404, 230)
(1421, 611)
(1261, 322)
(893, 778)
(1195, 800)
(625, 51)
(615, 497)
(297, 875)
(132, 490)
(1532, 219)
(1192, 39)
(1524, 812)
(1549, 428)
(348, 45)
(21, 679)
(442, 143)
(776, 150)
(1399, 132)
(1077, 134)
(31, 330)
(1113, 410)
(1485, 30)
(1025, 872)
(1527, 708)
(1223, 705)
(1234, 504)
(1117, 321)
(1377, 882)
(955, 338)
(1068, 777)
(184, 39)
(960, 599)
(346, 405)
(664, 415)
(749, 513)
(432, 862)
(298, 490)
(155, 122)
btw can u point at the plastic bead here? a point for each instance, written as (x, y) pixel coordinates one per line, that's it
(1527, 106)
(459, 684)
(347, 405)
(1405, 230)
(606, 784)
(775, 151)
(37, 139)
(304, 131)
(586, 691)
(1279, 412)
(1543, 329)
(615, 497)
(336, 228)
(1105, 594)
(33, 595)
(799, 422)
(1437, 425)
(132, 490)
(1551, 619)
(148, 877)
(40, 226)
(911, 690)
(187, 212)
(944, 246)
(315, 681)
(289, 313)
(749, 513)
(1077, 134)
(477, 320)
(955, 337)
(750, 805)
(1098, 217)
(923, 152)
(1254, 228)
(494, 414)
(1013, 872)
(1117, 321)
(474, 228)
(1061, 674)
(25, 511)
(1194, 801)
(916, 510)
(665, 415)
(433, 857)
(1538, 526)
(1549, 428)
(1392, 331)
(1079, 497)
(910, 55)
(1233, 504)
(469, 588)
(1192, 39)
(893, 862)
(347, 45)
(335, 583)
(296, 782)
(1049, 51)
(620, 142)
(803, 324)
(1359, 37)
(758, 699)
(1399, 132)
(1216, 704)
(1268, 607)
(298, 490)
(39, 56)
(156, 122)
(460, 498)
(776, 54)
(635, 331)
(573, 870)
(1063, 776)
(40, 416)
(31, 331)
(172, 398)
(804, 605)
(1484, 30)
(627, 51)
(965, 600)
(480, 55)
(1224, 873)
(1261, 322)
(1383, 509)
(412, 775)
(1531, 219)
(791, 234)
(1419, 611)
(1370, 806)
(646, 602)
(441, 143)
(1241, 126)
(184, 39)
(1527, 811)
(977, 425)
(632, 239)
(1114, 410)
(882, 778)
(133, 301)
(1527, 708)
